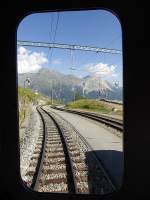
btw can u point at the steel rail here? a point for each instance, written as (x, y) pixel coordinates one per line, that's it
(106, 173)
(69, 168)
(112, 101)
(114, 123)
(37, 173)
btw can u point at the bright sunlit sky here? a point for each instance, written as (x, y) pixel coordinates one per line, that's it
(90, 28)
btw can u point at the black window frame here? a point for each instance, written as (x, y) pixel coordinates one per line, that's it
(128, 14)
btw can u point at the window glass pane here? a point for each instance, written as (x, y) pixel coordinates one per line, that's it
(70, 102)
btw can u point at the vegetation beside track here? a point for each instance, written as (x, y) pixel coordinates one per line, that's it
(25, 97)
(55, 102)
(95, 106)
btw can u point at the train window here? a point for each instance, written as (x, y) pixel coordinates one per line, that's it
(70, 100)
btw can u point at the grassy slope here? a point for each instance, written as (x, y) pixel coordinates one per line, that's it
(26, 97)
(92, 105)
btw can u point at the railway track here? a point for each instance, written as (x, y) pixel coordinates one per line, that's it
(109, 121)
(62, 163)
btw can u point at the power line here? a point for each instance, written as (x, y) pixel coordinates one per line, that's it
(56, 27)
(50, 32)
(51, 29)
(54, 36)
(112, 41)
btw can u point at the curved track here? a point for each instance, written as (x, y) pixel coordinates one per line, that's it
(109, 121)
(60, 162)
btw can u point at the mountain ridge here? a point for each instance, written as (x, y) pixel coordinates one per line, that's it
(65, 85)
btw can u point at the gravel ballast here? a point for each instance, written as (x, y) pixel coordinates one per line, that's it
(29, 133)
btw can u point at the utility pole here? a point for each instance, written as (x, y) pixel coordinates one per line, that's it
(51, 92)
(83, 87)
(73, 89)
(108, 94)
(99, 90)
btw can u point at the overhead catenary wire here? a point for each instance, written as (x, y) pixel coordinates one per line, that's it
(50, 33)
(54, 36)
(114, 40)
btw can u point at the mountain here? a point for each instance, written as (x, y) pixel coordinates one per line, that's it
(65, 86)
(95, 87)
(45, 80)
(95, 83)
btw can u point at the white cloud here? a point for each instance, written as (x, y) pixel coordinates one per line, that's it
(30, 62)
(101, 70)
(56, 62)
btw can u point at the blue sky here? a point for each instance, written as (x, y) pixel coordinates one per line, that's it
(94, 28)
